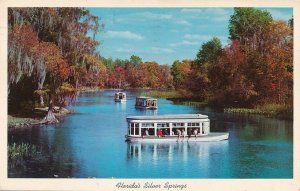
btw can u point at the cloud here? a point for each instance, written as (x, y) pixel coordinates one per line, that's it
(124, 50)
(191, 10)
(144, 16)
(154, 16)
(161, 50)
(184, 43)
(194, 39)
(197, 37)
(124, 34)
(214, 14)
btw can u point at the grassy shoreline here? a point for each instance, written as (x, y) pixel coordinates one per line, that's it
(168, 94)
(17, 121)
(269, 110)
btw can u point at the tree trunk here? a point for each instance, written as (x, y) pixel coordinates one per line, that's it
(42, 101)
(50, 117)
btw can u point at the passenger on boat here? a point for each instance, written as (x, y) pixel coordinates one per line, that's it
(172, 132)
(144, 133)
(183, 134)
(160, 133)
(178, 132)
(166, 132)
(190, 132)
(147, 132)
(195, 132)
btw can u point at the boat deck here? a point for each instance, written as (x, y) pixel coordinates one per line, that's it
(215, 136)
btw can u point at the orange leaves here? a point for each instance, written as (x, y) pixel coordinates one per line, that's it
(23, 37)
(41, 52)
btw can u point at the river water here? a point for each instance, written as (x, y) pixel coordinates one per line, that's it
(91, 143)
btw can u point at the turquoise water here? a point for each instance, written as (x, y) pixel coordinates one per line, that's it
(91, 143)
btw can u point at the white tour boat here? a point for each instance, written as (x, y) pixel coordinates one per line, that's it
(172, 128)
(146, 103)
(120, 97)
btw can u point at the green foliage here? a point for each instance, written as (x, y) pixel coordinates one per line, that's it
(209, 51)
(193, 103)
(42, 92)
(248, 23)
(204, 69)
(67, 88)
(135, 60)
(163, 94)
(20, 151)
(255, 68)
(271, 110)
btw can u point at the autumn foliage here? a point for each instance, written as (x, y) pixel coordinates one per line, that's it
(53, 53)
(50, 49)
(256, 67)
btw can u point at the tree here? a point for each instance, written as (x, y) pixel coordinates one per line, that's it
(236, 87)
(209, 51)
(181, 72)
(135, 60)
(54, 45)
(248, 26)
(204, 68)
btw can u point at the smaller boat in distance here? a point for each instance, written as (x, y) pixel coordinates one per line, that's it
(172, 128)
(120, 97)
(146, 103)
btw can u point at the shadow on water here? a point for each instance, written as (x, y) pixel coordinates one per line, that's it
(54, 158)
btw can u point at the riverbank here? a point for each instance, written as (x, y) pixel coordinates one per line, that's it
(269, 110)
(168, 94)
(17, 121)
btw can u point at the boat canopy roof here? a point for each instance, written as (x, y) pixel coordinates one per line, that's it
(120, 93)
(169, 117)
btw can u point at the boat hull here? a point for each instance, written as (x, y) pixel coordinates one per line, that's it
(149, 107)
(120, 100)
(215, 136)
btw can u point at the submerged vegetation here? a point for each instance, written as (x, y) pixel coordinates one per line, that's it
(21, 151)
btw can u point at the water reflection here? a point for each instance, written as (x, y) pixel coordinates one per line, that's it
(168, 152)
(147, 111)
(121, 105)
(91, 143)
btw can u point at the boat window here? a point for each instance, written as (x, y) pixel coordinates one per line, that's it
(178, 124)
(147, 124)
(132, 130)
(193, 124)
(162, 124)
(136, 131)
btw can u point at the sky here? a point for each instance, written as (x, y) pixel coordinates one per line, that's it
(164, 35)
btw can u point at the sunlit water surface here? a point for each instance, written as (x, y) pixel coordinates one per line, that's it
(91, 143)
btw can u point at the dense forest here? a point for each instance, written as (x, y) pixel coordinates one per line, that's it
(52, 53)
(256, 67)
